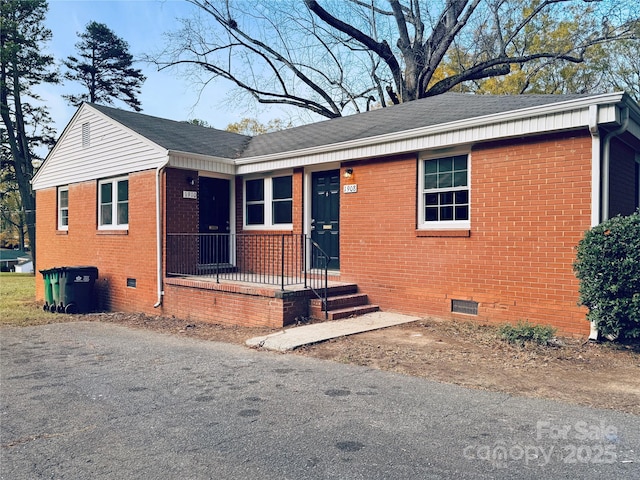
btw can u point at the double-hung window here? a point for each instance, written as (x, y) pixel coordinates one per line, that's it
(113, 204)
(268, 202)
(63, 208)
(444, 192)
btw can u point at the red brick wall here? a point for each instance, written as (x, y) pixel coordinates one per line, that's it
(530, 204)
(117, 254)
(530, 207)
(232, 304)
(181, 216)
(181, 212)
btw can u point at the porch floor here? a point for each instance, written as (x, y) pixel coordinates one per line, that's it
(263, 282)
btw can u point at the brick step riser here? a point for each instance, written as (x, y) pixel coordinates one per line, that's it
(341, 301)
(340, 290)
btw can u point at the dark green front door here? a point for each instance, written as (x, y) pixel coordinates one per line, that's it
(325, 214)
(213, 203)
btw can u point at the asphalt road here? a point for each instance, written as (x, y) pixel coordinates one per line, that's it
(99, 401)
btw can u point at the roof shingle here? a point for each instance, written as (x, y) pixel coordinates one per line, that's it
(441, 109)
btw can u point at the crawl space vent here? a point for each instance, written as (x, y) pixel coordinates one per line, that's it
(464, 306)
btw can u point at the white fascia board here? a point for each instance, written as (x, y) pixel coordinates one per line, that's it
(525, 121)
(205, 163)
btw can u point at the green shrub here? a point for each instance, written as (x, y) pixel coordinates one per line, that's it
(524, 332)
(608, 267)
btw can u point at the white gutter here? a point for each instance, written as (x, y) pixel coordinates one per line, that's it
(596, 189)
(159, 170)
(595, 186)
(606, 161)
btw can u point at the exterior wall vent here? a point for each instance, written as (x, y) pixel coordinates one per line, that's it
(464, 306)
(86, 137)
(131, 282)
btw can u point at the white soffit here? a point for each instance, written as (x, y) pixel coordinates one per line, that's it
(194, 161)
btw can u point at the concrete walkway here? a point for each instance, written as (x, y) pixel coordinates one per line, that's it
(295, 337)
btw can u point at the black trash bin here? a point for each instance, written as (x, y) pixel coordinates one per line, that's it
(76, 289)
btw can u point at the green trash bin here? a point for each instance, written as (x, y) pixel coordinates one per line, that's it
(51, 278)
(76, 289)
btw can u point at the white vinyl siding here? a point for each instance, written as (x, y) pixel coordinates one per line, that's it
(113, 150)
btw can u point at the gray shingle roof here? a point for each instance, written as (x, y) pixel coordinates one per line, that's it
(445, 108)
(180, 136)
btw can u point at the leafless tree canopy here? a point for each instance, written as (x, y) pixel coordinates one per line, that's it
(334, 57)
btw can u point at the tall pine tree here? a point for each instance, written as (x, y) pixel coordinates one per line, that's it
(26, 125)
(105, 67)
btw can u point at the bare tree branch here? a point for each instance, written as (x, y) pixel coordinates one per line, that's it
(329, 57)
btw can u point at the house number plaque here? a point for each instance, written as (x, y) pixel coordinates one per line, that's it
(189, 194)
(351, 188)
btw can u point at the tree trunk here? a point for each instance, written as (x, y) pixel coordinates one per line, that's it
(19, 145)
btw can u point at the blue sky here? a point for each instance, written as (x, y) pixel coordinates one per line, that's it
(141, 23)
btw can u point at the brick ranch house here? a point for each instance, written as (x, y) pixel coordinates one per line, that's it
(456, 206)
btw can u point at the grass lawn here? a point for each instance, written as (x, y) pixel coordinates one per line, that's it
(17, 302)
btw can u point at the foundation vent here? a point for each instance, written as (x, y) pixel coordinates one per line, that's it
(464, 306)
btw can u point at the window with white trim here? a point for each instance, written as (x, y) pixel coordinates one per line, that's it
(63, 208)
(113, 204)
(268, 203)
(444, 192)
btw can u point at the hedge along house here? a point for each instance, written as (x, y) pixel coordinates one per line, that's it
(455, 206)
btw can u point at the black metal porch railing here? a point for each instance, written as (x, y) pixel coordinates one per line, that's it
(319, 281)
(270, 259)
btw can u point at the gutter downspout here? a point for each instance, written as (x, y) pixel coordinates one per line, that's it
(600, 167)
(596, 186)
(606, 161)
(159, 171)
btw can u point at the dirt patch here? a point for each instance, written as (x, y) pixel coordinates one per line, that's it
(602, 375)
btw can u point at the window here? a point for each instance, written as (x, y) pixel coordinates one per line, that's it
(113, 204)
(63, 208)
(282, 200)
(269, 202)
(254, 192)
(444, 190)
